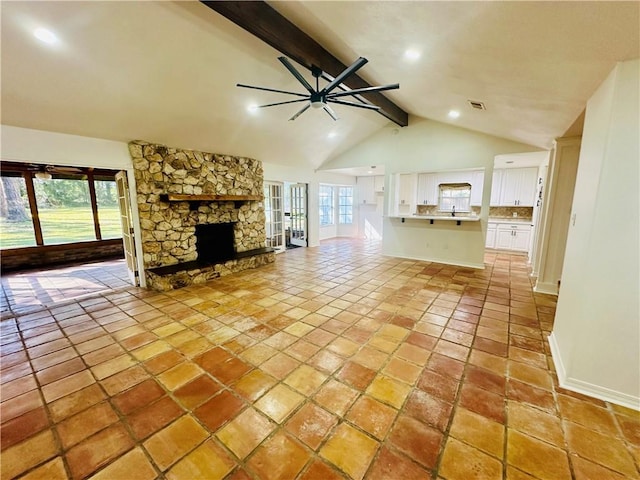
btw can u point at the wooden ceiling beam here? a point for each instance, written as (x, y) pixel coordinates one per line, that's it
(261, 20)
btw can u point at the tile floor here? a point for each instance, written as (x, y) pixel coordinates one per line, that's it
(334, 362)
(29, 291)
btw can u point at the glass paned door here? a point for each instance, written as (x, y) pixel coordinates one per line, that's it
(299, 214)
(127, 226)
(274, 215)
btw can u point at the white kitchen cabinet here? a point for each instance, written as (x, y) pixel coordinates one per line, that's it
(496, 188)
(477, 183)
(427, 189)
(518, 187)
(406, 194)
(378, 183)
(512, 237)
(366, 191)
(491, 235)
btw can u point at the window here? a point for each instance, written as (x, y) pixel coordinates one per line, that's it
(345, 205)
(108, 209)
(326, 205)
(454, 197)
(16, 226)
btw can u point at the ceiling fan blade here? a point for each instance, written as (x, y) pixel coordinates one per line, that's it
(296, 74)
(331, 113)
(358, 91)
(272, 90)
(300, 112)
(359, 63)
(282, 103)
(354, 104)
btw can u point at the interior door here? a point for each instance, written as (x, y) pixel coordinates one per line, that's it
(274, 215)
(299, 214)
(128, 240)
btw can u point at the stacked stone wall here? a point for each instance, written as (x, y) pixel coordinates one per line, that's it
(168, 227)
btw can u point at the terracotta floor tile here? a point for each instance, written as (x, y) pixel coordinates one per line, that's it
(483, 402)
(104, 354)
(98, 450)
(586, 470)
(311, 424)
(534, 376)
(587, 415)
(390, 464)
(67, 385)
(279, 402)
(113, 366)
(350, 450)
(173, 442)
(17, 387)
(220, 409)
(52, 470)
(486, 380)
(416, 440)
(245, 432)
(355, 375)
(320, 471)
(197, 391)
(402, 370)
(229, 370)
(254, 384)
(179, 375)
(526, 393)
(320, 337)
(491, 346)
(343, 347)
(207, 462)
(370, 358)
(279, 458)
(76, 402)
(27, 454)
(19, 405)
(437, 385)
(133, 465)
(537, 458)
(388, 390)
(20, 428)
(162, 362)
(305, 379)
(138, 396)
(153, 417)
(75, 429)
(336, 397)
(630, 427)
(280, 365)
(479, 432)
(446, 366)
(600, 448)
(60, 370)
(412, 353)
(326, 361)
(462, 462)
(535, 423)
(497, 365)
(428, 409)
(257, 354)
(372, 416)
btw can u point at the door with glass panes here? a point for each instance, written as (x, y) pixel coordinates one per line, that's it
(274, 215)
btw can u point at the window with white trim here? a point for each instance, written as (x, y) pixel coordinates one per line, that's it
(454, 197)
(345, 205)
(325, 203)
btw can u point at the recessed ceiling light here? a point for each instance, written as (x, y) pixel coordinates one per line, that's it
(370, 172)
(453, 114)
(411, 54)
(252, 109)
(46, 36)
(332, 134)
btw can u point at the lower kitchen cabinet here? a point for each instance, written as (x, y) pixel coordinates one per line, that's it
(507, 236)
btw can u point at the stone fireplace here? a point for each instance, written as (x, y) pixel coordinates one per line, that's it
(201, 214)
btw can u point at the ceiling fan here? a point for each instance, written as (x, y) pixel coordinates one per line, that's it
(320, 98)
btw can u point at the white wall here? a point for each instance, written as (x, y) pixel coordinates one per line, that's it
(596, 335)
(430, 146)
(38, 146)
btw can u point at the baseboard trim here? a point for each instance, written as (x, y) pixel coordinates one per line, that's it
(548, 288)
(479, 266)
(586, 388)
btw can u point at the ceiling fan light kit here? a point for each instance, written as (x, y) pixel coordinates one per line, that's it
(319, 98)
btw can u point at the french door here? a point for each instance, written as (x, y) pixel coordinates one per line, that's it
(124, 202)
(299, 214)
(274, 215)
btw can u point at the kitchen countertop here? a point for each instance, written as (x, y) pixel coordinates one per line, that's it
(525, 221)
(460, 218)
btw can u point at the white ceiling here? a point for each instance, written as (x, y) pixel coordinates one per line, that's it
(166, 71)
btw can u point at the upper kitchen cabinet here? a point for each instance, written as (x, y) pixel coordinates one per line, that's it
(378, 183)
(514, 187)
(366, 190)
(406, 193)
(427, 189)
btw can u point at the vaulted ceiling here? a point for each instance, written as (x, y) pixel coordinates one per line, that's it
(166, 71)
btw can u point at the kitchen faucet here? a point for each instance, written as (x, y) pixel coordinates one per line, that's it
(453, 211)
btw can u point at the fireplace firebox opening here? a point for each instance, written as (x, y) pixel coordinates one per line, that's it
(215, 242)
